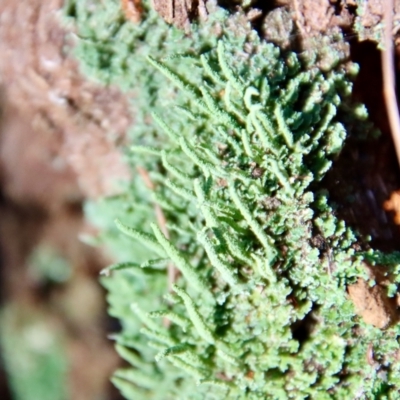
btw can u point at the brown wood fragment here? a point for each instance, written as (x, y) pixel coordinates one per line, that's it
(393, 204)
(180, 12)
(133, 10)
(372, 303)
(389, 80)
(370, 354)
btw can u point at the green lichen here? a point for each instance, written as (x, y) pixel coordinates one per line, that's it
(235, 135)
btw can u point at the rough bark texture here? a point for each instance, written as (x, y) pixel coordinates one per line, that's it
(82, 122)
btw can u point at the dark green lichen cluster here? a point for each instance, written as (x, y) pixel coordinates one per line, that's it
(233, 135)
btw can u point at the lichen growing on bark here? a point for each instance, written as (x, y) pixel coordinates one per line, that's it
(234, 136)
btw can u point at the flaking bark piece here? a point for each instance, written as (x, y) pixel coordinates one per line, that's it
(372, 303)
(133, 10)
(180, 12)
(393, 204)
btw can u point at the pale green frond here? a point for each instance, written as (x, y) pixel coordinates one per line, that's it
(148, 240)
(197, 320)
(180, 261)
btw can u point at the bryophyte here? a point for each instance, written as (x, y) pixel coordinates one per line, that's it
(259, 309)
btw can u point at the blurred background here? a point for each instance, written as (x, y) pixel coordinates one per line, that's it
(56, 150)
